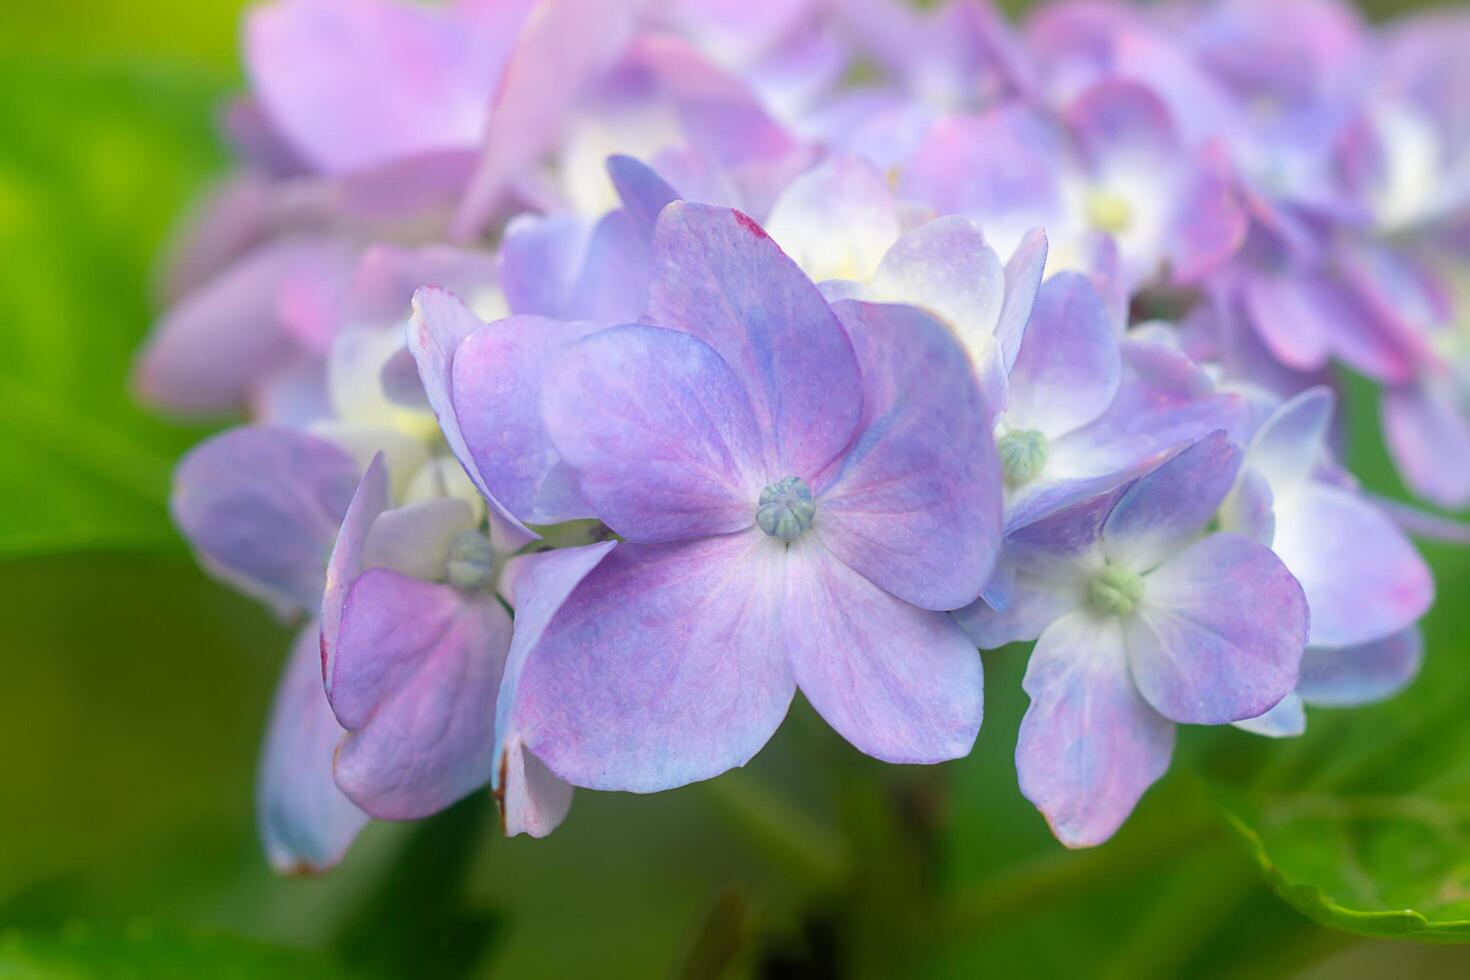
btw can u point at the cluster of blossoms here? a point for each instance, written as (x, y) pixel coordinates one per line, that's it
(616, 369)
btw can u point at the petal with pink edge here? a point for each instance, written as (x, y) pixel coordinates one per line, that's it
(900, 683)
(414, 681)
(914, 505)
(1089, 745)
(718, 276)
(1219, 633)
(665, 666)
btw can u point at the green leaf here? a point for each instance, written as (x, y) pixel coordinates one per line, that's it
(96, 165)
(142, 952)
(1363, 824)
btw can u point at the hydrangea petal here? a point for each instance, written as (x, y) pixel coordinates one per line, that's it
(719, 276)
(659, 431)
(414, 539)
(1363, 577)
(914, 505)
(1287, 719)
(666, 665)
(415, 675)
(1289, 445)
(1172, 504)
(1363, 674)
(836, 220)
(261, 507)
(1069, 366)
(1089, 745)
(369, 501)
(306, 823)
(1193, 654)
(900, 683)
(1429, 437)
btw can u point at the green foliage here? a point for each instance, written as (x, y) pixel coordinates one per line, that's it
(142, 953)
(95, 166)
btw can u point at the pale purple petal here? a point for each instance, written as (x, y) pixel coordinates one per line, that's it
(414, 681)
(1291, 443)
(357, 83)
(387, 277)
(1172, 504)
(414, 540)
(1250, 509)
(1209, 223)
(914, 505)
(901, 683)
(1362, 576)
(1119, 118)
(1219, 633)
(346, 563)
(261, 507)
(207, 354)
(1089, 746)
(532, 799)
(665, 666)
(1023, 279)
(306, 823)
(1287, 719)
(1428, 435)
(1069, 365)
(1362, 674)
(719, 276)
(836, 220)
(643, 192)
(659, 431)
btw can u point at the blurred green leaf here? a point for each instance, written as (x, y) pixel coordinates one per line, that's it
(96, 165)
(142, 953)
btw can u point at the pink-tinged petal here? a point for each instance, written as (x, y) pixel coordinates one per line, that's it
(1209, 224)
(665, 666)
(946, 267)
(1000, 169)
(1219, 633)
(1287, 719)
(1165, 509)
(1362, 576)
(1069, 365)
(484, 393)
(1023, 280)
(260, 506)
(718, 276)
(414, 540)
(1428, 436)
(659, 432)
(1362, 674)
(414, 681)
(1121, 119)
(357, 83)
(1290, 445)
(1089, 746)
(207, 354)
(560, 49)
(902, 684)
(306, 823)
(914, 504)
(837, 220)
(1294, 316)
(346, 563)
(387, 277)
(532, 799)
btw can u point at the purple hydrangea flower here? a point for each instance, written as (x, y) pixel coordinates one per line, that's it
(1136, 608)
(802, 490)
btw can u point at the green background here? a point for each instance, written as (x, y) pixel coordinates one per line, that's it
(134, 690)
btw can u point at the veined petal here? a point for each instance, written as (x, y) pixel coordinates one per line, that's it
(414, 681)
(659, 431)
(718, 276)
(666, 665)
(1089, 745)
(901, 683)
(346, 561)
(1069, 365)
(914, 505)
(1165, 509)
(1219, 633)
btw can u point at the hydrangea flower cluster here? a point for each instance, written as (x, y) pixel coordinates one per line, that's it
(616, 369)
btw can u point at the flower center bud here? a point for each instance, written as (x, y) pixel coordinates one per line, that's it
(470, 561)
(786, 508)
(1108, 212)
(1022, 455)
(1117, 590)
